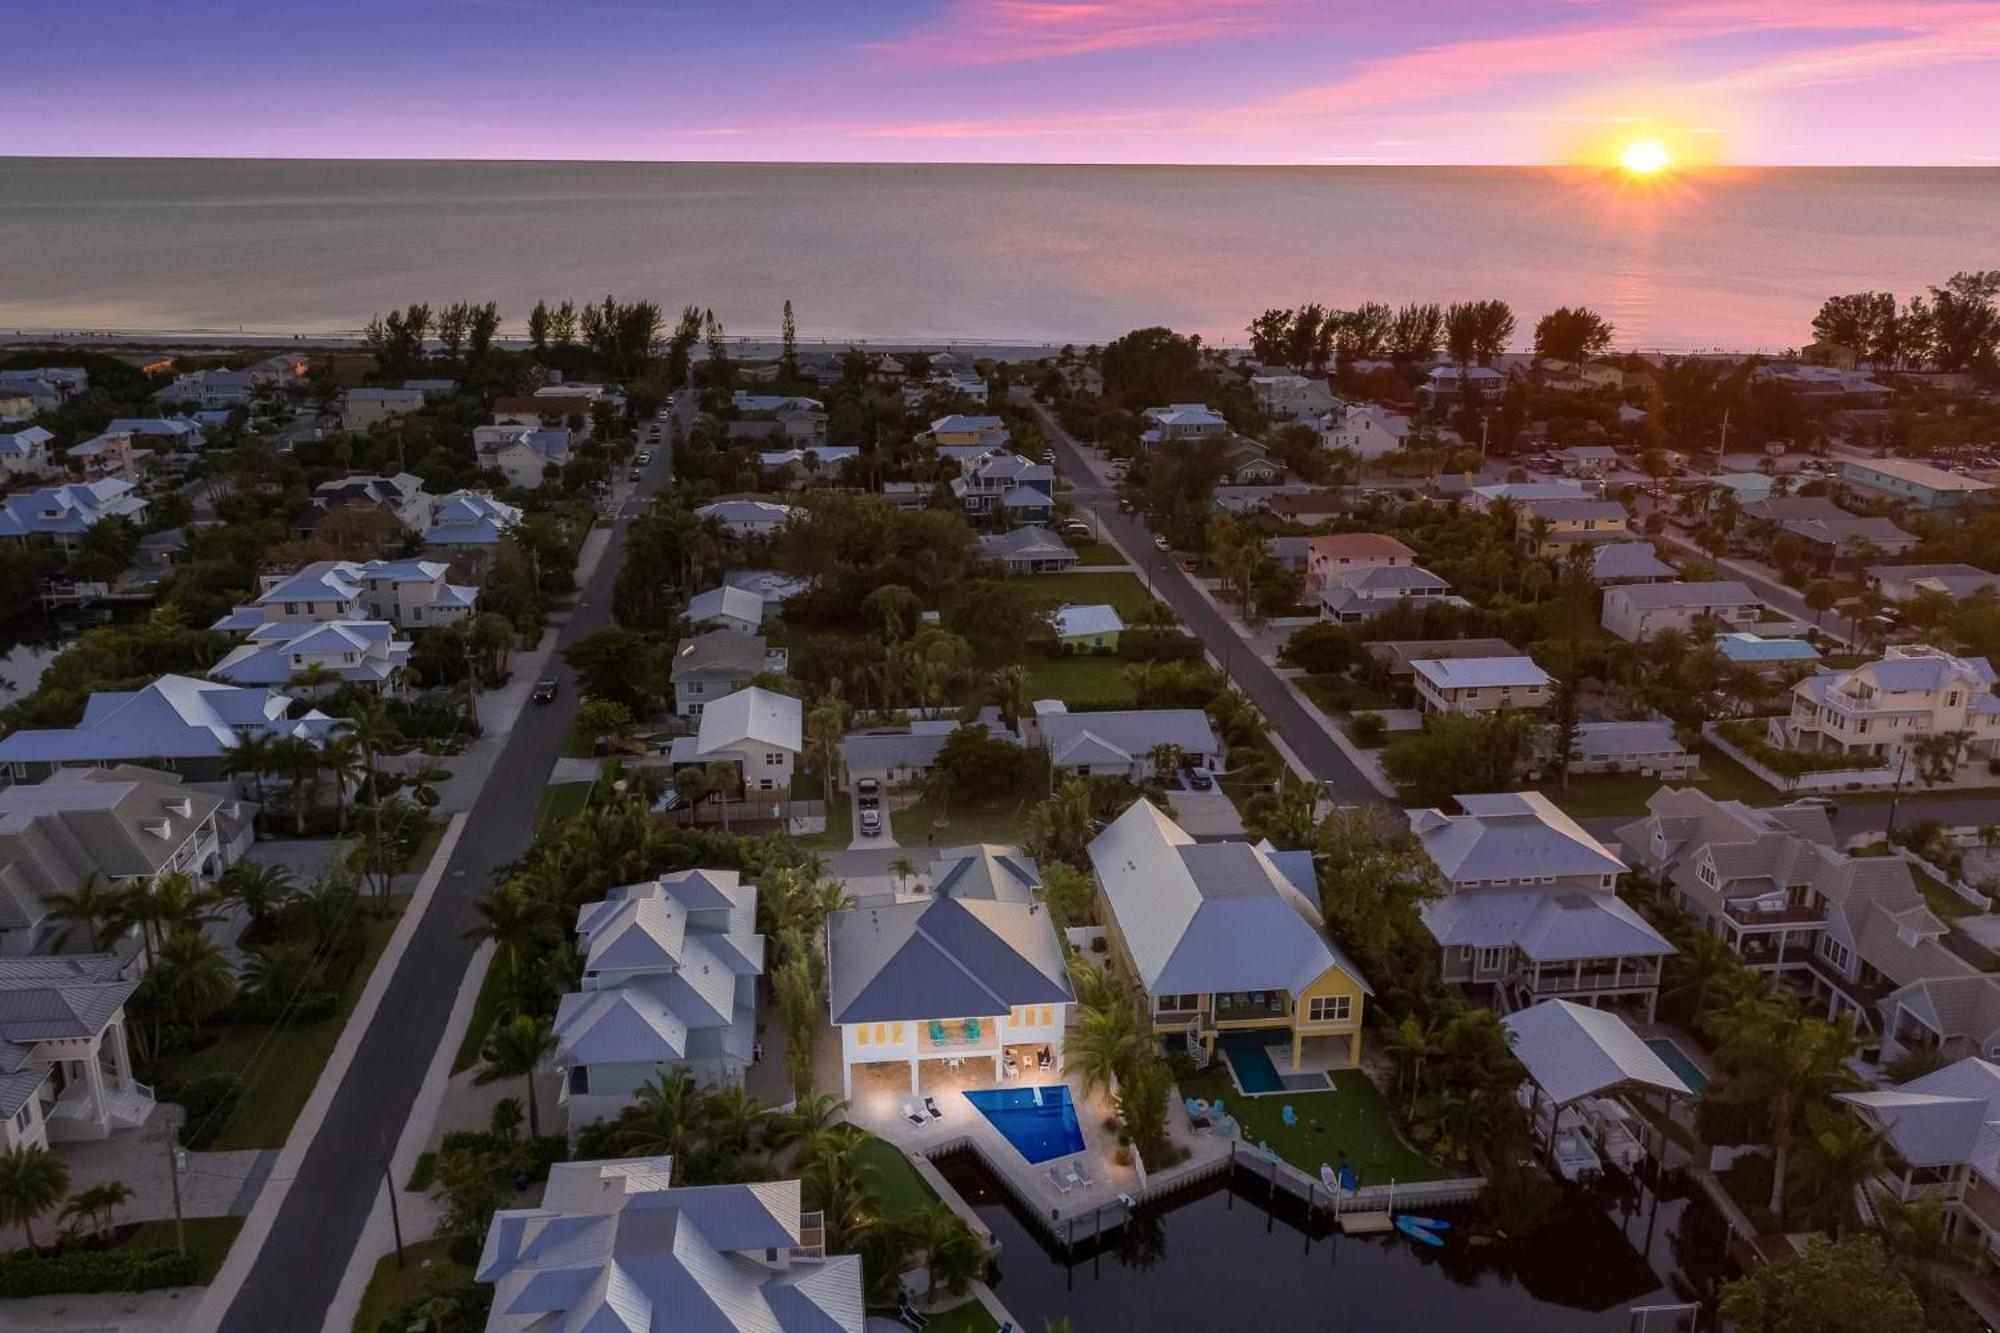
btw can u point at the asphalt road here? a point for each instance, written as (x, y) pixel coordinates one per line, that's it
(1305, 737)
(303, 1258)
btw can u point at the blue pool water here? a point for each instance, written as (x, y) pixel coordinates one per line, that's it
(1677, 1060)
(1038, 1132)
(1246, 1055)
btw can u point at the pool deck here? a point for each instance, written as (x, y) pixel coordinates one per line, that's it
(1320, 1057)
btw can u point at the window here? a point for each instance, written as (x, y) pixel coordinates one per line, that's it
(1834, 952)
(1492, 960)
(1048, 1014)
(1169, 1004)
(579, 1078)
(860, 1034)
(773, 759)
(881, 1034)
(766, 784)
(896, 1033)
(1329, 1008)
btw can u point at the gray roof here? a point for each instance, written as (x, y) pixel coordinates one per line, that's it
(1125, 736)
(51, 997)
(722, 654)
(950, 957)
(1555, 925)
(1208, 916)
(735, 603)
(1481, 673)
(1026, 544)
(1628, 560)
(1510, 835)
(1947, 1117)
(1572, 1051)
(118, 823)
(1719, 592)
(1608, 740)
(985, 870)
(175, 717)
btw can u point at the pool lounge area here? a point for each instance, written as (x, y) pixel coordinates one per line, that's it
(1260, 1063)
(1039, 1121)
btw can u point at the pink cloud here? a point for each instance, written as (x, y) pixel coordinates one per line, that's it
(996, 32)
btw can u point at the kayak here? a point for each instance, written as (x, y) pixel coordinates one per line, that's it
(1408, 1226)
(1428, 1223)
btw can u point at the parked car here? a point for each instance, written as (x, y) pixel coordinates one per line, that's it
(1076, 527)
(642, 458)
(871, 823)
(1161, 544)
(633, 475)
(868, 792)
(544, 691)
(1198, 778)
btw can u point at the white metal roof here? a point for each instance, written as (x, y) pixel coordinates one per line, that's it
(1572, 1051)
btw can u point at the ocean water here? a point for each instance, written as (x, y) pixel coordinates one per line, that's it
(1736, 259)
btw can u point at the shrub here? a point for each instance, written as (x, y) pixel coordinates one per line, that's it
(308, 1008)
(95, 1271)
(209, 1101)
(1368, 730)
(1144, 644)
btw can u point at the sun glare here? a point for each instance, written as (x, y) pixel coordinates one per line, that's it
(1645, 157)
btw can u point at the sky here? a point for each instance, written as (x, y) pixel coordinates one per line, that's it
(1800, 82)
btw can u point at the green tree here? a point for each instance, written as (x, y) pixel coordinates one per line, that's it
(1845, 1286)
(1059, 828)
(951, 1257)
(788, 356)
(516, 1049)
(32, 1181)
(1778, 1063)
(97, 1206)
(618, 664)
(515, 923)
(191, 980)
(1103, 1044)
(1070, 893)
(1571, 333)
(94, 906)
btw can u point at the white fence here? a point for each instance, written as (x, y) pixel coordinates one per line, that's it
(1839, 779)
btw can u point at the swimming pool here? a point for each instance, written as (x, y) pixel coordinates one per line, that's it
(1246, 1055)
(1040, 1122)
(1677, 1060)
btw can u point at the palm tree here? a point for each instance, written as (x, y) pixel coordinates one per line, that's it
(902, 868)
(1059, 827)
(278, 968)
(260, 888)
(314, 679)
(668, 1115)
(97, 907)
(840, 1183)
(513, 921)
(1839, 1153)
(516, 1049)
(340, 760)
(97, 1204)
(1105, 1042)
(950, 1254)
(32, 1181)
(191, 978)
(254, 753)
(1787, 1063)
(731, 1114)
(1411, 1043)
(1166, 759)
(1010, 692)
(808, 1121)
(299, 759)
(824, 725)
(374, 731)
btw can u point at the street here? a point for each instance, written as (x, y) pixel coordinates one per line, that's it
(300, 1265)
(1315, 749)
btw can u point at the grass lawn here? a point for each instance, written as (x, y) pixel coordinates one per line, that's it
(485, 1008)
(971, 1317)
(1351, 1119)
(1125, 591)
(839, 826)
(1335, 694)
(1598, 794)
(1242, 759)
(208, 1240)
(1080, 680)
(996, 821)
(280, 1064)
(425, 849)
(393, 1285)
(902, 1190)
(1096, 555)
(562, 801)
(1938, 898)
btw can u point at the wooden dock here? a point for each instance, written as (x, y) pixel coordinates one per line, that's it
(1368, 1223)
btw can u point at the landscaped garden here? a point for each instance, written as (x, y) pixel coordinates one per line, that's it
(1352, 1120)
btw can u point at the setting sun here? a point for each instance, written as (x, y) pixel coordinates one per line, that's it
(1645, 157)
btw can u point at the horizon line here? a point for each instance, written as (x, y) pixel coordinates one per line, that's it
(1337, 165)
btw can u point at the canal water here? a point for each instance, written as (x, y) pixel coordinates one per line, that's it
(1220, 1259)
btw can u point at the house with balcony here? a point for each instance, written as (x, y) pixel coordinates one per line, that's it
(614, 1245)
(1224, 944)
(468, 522)
(757, 730)
(1939, 1143)
(720, 662)
(1292, 397)
(1772, 884)
(366, 653)
(1533, 911)
(670, 970)
(1638, 611)
(1476, 685)
(1879, 710)
(125, 825)
(1183, 423)
(65, 1061)
(971, 971)
(64, 513)
(1006, 486)
(184, 725)
(1338, 553)
(25, 453)
(1354, 595)
(1954, 1015)
(409, 594)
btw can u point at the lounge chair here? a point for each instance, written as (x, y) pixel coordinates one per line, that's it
(1288, 1115)
(1076, 1169)
(931, 1106)
(937, 1033)
(1043, 1059)
(972, 1029)
(1226, 1128)
(913, 1115)
(909, 1314)
(1215, 1108)
(1013, 1068)
(1056, 1179)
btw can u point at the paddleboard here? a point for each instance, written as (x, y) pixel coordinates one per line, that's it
(1328, 1179)
(1408, 1226)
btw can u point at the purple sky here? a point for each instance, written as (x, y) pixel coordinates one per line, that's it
(1251, 81)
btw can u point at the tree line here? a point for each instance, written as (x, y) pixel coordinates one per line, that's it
(1311, 337)
(1953, 327)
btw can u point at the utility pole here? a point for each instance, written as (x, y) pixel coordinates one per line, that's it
(1722, 443)
(174, 1179)
(1896, 796)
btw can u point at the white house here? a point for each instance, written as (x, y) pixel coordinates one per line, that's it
(409, 594)
(469, 520)
(727, 608)
(1639, 611)
(973, 972)
(362, 408)
(1368, 430)
(718, 663)
(614, 1246)
(1882, 708)
(1475, 685)
(64, 513)
(1121, 743)
(25, 453)
(1182, 423)
(522, 454)
(1939, 1144)
(352, 652)
(1292, 397)
(61, 1020)
(670, 970)
(758, 730)
(747, 518)
(1355, 595)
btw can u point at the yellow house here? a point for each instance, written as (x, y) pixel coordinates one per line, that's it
(962, 431)
(1220, 940)
(1562, 522)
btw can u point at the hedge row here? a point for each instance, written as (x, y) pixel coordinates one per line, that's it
(95, 1271)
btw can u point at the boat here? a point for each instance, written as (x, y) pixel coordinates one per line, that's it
(1411, 1227)
(1575, 1160)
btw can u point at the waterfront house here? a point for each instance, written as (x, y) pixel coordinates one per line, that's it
(1476, 685)
(746, 517)
(1639, 611)
(1880, 709)
(972, 970)
(64, 513)
(1028, 551)
(469, 521)
(1183, 423)
(613, 1245)
(720, 662)
(735, 609)
(25, 453)
(61, 1018)
(185, 725)
(1919, 484)
(1532, 912)
(361, 408)
(1937, 1132)
(126, 825)
(1087, 629)
(1121, 743)
(1899, 583)
(759, 731)
(365, 653)
(670, 970)
(1221, 942)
